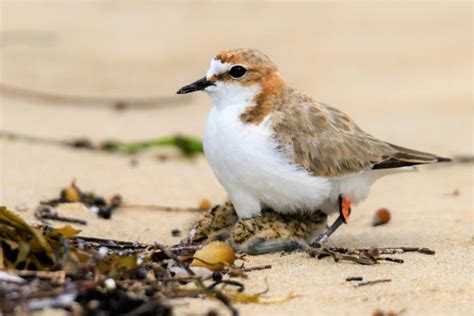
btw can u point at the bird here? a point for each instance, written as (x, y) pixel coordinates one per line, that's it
(269, 232)
(272, 146)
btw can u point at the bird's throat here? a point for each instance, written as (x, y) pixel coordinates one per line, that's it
(273, 88)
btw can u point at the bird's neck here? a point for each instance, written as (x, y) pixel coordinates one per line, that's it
(272, 93)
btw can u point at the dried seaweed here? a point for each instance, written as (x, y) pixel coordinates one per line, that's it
(102, 206)
(364, 256)
(46, 267)
(40, 248)
(73, 194)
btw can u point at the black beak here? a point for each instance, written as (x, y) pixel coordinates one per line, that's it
(199, 85)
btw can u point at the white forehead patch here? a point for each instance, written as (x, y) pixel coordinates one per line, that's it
(217, 67)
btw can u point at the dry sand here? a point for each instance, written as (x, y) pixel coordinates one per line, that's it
(403, 70)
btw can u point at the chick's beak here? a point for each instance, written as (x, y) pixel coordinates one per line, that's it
(199, 85)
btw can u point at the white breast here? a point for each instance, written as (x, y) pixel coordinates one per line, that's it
(245, 160)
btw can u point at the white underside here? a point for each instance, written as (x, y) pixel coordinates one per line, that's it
(245, 160)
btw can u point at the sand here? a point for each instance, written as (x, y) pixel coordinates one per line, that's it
(402, 70)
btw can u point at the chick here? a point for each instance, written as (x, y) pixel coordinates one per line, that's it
(269, 232)
(215, 224)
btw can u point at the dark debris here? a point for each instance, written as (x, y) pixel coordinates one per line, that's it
(46, 267)
(73, 194)
(364, 256)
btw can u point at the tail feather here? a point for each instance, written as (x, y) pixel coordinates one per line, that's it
(404, 157)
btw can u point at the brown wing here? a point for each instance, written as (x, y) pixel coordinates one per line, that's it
(327, 142)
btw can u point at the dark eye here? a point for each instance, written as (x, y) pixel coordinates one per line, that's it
(237, 71)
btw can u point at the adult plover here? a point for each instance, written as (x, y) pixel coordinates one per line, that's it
(272, 146)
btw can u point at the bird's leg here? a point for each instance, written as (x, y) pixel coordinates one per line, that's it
(261, 246)
(344, 213)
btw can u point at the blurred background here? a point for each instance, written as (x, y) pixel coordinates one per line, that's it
(401, 69)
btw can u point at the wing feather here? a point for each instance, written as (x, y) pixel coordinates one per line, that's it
(325, 141)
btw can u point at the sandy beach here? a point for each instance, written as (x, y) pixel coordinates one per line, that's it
(402, 70)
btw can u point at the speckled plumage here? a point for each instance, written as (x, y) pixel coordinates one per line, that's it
(215, 223)
(254, 235)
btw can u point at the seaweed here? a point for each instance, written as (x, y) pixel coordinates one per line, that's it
(46, 267)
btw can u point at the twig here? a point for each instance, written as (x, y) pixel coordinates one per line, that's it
(396, 260)
(44, 212)
(119, 103)
(218, 294)
(360, 284)
(354, 278)
(365, 256)
(381, 251)
(257, 268)
(173, 257)
(180, 248)
(397, 250)
(238, 272)
(163, 208)
(111, 243)
(239, 285)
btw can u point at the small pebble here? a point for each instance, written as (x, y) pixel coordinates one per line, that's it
(110, 284)
(103, 251)
(120, 105)
(175, 232)
(381, 217)
(163, 157)
(205, 204)
(192, 232)
(93, 305)
(133, 162)
(456, 192)
(93, 209)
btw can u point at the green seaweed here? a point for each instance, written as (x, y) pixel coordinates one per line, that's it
(189, 146)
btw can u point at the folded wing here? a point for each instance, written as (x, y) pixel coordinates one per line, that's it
(328, 143)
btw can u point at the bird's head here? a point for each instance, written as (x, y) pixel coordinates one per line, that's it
(238, 76)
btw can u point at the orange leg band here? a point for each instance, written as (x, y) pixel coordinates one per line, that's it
(345, 209)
